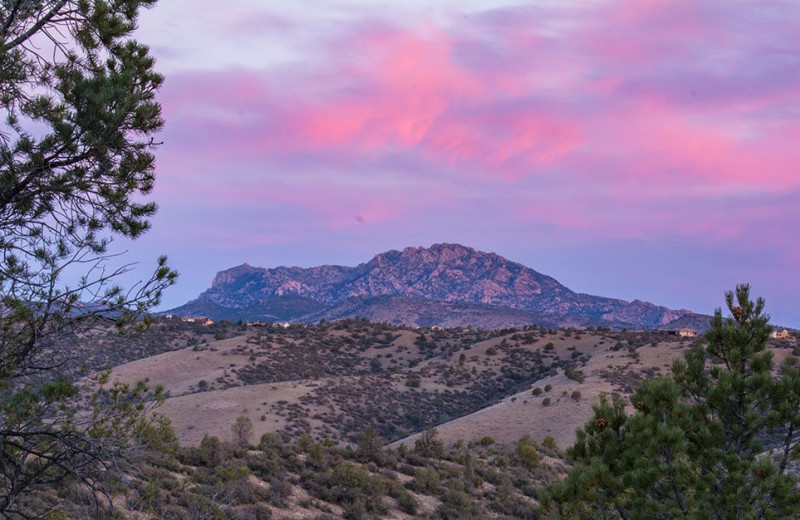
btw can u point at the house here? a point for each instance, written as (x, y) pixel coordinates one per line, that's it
(202, 320)
(783, 334)
(683, 333)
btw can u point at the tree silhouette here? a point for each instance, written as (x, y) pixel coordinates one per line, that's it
(77, 118)
(710, 441)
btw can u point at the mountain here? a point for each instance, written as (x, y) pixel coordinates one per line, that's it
(691, 321)
(482, 287)
(278, 308)
(403, 310)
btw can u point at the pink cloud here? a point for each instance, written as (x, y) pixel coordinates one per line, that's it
(596, 105)
(404, 91)
(662, 141)
(398, 84)
(623, 136)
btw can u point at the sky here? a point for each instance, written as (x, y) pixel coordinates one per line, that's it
(628, 148)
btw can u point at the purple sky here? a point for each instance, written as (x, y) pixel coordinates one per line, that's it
(633, 149)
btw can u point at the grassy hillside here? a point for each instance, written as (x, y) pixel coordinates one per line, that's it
(335, 379)
(321, 403)
(276, 477)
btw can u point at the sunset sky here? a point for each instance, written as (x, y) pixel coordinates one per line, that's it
(632, 149)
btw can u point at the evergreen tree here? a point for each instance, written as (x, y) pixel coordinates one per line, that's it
(713, 440)
(77, 118)
(243, 430)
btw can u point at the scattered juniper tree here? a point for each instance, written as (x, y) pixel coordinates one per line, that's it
(77, 118)
(243, 431)
(713, 440)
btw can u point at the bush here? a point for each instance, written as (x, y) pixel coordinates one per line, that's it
(427, 481)
(429, 445)
(260, 512)
(269, 441)
(407, 503)
(413, 382)
(536, 391)
(370, 446)
(457, 505)
(546, 401)
(576, 395)
(550, 443)
(212, 451)
(353, 487)
(575, 375)
(487, 440)
(527, 452)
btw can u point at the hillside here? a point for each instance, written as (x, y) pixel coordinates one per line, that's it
(403, 310)
(335, 379)
(323, 399)
(280, 478)
(411, 286)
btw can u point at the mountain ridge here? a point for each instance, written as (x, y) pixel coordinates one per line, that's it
(445, 273)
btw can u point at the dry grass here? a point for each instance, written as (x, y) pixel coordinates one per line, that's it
(181, 371)
(211, 384)
(213, 413)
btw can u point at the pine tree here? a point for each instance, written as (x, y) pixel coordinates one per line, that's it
(243, 430)
(713, 440)
(77, 118)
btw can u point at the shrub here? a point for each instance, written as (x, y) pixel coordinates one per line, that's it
(212, 451)
(575, 375)
(429, 444)
(527, 452)
(370, 446)
(269, 441)
(413, 382)
(487, 440)
(457, 505)
(407, 503)
(427, 481)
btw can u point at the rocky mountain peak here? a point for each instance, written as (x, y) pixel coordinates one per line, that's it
(443, 272)
(448, 255)
(229, 276)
